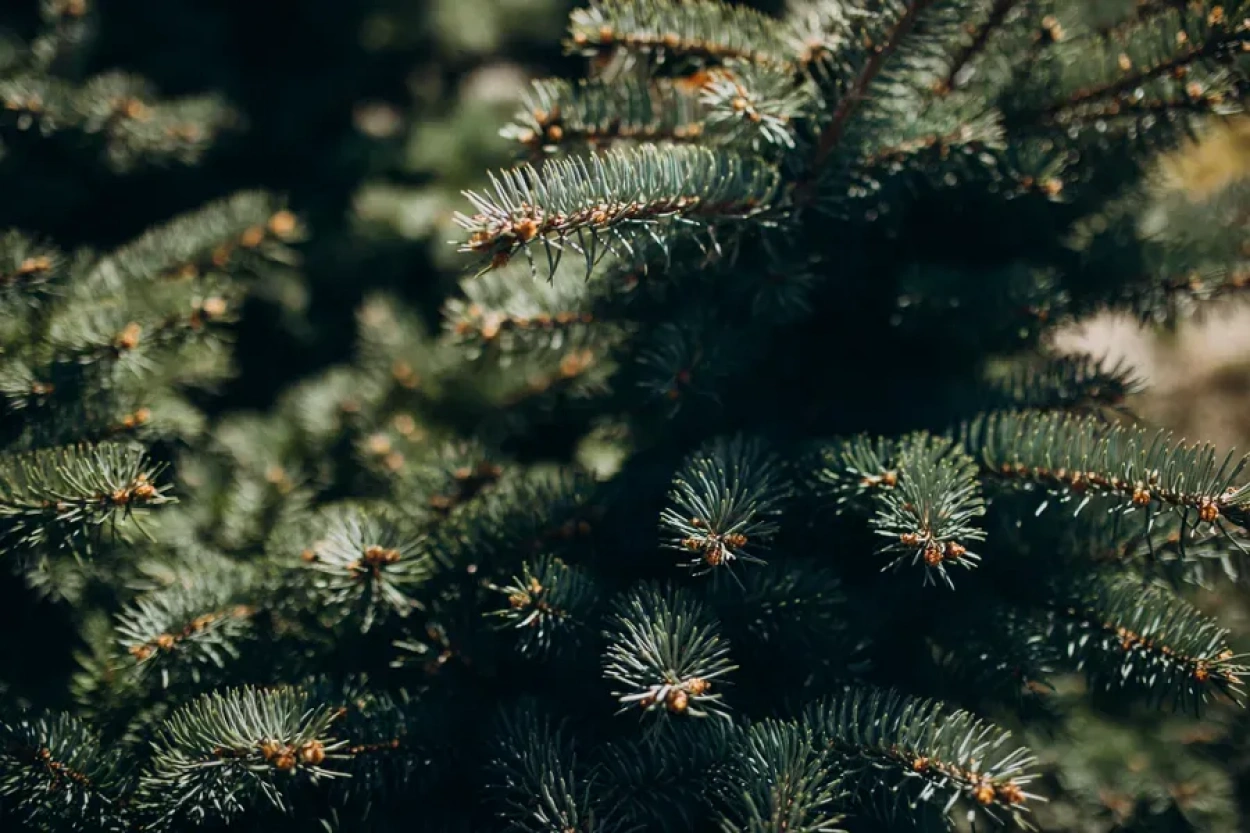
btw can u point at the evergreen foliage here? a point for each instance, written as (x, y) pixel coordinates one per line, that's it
(660, 535)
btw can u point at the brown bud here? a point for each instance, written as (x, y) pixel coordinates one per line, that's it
(252, 237)
(282, 224)
(312, 753)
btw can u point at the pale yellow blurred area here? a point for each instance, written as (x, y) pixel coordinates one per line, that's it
(1198, 377)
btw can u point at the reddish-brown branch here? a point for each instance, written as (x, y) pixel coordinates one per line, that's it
(833, 132)
(1210, 49)
(979, 39)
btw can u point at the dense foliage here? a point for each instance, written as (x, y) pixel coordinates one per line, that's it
(742, 488)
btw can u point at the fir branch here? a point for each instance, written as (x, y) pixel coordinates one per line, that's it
(537, 778)
(187, 626)
(856, 89)
(549, 604)
(1076, 456)
(794, 611)
(615, 200)
(73, 489)
(667, 781)
(997, 650)
(931, 514)
(900, 749)
(212, 238)
(724, 503)
(1223, 42)
(979, 37)
(556, 113)
(688, 361)
(541, 511)
(363, 565)
(397, 742)
(1128, 635)
(225, 753)
(667, 654)
(754, 105)
(28, 269)
(849, 471)
(516, 313)
(708, 30)
(1068, 382)
(56, 775)
(786, 783)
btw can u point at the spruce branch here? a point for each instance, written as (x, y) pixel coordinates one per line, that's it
(667, 781)
(538, 781)
(548, 605)
(69, 490)
(849, 471)
(192, 624)
(29, 270)
(527, 515)
(232, 233)
(1126, 635)
(931, 515)
(754, 105)
(902, 750)
(1068, 382)
(786, 782)
(921, 491)
(666, 654)
(56, 775)
(1078, 457)
(620, 201)
(688, 361)
(709, 30)
(857, 73)
(724, 503)
(228, 752)
(1220, 45)
(556, 114)
(363, 565)
(791, 610)
(975, 45)
(515, 313)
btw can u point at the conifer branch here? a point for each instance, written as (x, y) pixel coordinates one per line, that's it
(980, 36)
(56, 775)
(548, 604)
(1216, 47)
(670, 29)
(363, 565)
(615, 200)
(754, 105)
(537, 777)
(1067, 382)
(788, 783)
(1078, 456)
(188, 625)
(225, 752)
(666, 653)
(1126, 634)
(516, 313)
(856, 91)
(556, 113)
(900, 749)
(27, 269)
(724, 503)
(668, 781)
(73, 488)
(931, 514)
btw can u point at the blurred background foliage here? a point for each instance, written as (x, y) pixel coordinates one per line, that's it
(373, 115)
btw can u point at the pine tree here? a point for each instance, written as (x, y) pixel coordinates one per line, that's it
(742, 490)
